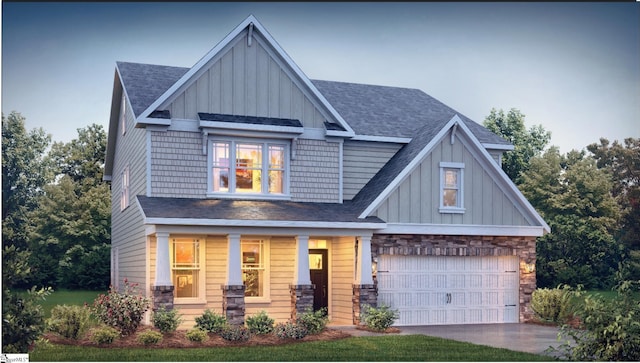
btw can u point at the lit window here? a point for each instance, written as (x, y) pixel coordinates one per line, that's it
(124, 190)
(451, 182)
(186, 267)
(253, 267)
(240, 168)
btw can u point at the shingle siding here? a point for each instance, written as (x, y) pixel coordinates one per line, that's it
(315, 172)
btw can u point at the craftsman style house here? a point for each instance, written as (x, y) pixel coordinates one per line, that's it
(241, 185)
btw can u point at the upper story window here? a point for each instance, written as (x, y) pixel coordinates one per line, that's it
(451, 187)
(249, 168)
(124, 190)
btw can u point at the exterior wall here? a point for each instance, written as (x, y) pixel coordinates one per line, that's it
(496, 155)
(249, 81)
(433, 245)
(127, 229)
(361, 161)
(178, 167)
(417, 198)
(315, 172)
(342, 277)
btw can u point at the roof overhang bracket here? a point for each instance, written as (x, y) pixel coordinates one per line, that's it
(250, 36)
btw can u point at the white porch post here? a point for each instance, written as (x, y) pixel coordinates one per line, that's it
(301, 275)
(363, 273)
(234, 270)
(163, 268)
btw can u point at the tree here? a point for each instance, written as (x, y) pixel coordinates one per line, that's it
(527, 143)
(574, 197)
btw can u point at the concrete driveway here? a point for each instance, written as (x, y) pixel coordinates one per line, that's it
(529, 338)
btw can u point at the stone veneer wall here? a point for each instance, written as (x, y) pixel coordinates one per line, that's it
(439, 245)
(363, 295)
(233, 303)
(301, 299)
(162, 297)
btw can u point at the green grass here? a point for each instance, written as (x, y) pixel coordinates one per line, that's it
(379, 348)
(68, 297)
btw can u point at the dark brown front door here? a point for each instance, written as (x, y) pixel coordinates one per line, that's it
(318, 266)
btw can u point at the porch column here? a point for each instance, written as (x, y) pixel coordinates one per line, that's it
(364, 290)
(162, 288)
(301, 290)
(233, 290)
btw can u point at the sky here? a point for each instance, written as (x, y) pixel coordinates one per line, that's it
(573, 68)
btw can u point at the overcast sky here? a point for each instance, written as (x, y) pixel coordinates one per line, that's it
(574, 68)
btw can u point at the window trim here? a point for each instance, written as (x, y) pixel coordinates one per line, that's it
(202, 273)
(231, 193)
(459, 209)
(125, 186)
(266, 291)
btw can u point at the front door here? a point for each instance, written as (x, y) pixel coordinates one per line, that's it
(319, 271)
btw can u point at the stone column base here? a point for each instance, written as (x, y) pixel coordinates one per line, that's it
(233, 303)
(363, 295)
(162, 297)
(301, 299)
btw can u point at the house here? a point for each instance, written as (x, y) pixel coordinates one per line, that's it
(241, 185)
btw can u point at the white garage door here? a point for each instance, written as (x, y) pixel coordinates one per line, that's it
(432, 290)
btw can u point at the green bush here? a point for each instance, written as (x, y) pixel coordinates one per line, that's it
(211, 322)
(123, 311)
(313, 321)
(197, 335)
(105, 335)
(553, 305)
(290, 330)
(235, 333)
(166, 320)
(379, 318)
(22, 319)
(260, 323)
(149, 337)
(69, 321)
(610, 328)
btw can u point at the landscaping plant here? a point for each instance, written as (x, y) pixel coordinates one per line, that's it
(70, 321)
(123, 311)
(379, 318)
(290, 330)
(235, 333)
(553, 305)
(105, 335)
(211, 322)
(197, 335)
(166, 320)
(149, 337)
(313, 321)
(22, 319)
(260, 323)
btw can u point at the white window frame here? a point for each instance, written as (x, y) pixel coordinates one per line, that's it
(266, 277)
(123, 114)
(231, 193)
(459, 167)
(202, 273)
(124, 188)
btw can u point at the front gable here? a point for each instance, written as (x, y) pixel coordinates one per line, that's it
(249, 74)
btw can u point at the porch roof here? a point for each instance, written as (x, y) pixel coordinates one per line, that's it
(191, 209)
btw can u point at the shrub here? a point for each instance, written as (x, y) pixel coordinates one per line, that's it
(123, 311)
(197, 335)
(69, 321)
(211, 322)
(149, 337)
(235, 333)
(611, 329)
(260, 323)
(379, 318)
(313, 321)
(290, 330)
(22, 319)
(552, 305)
(105, 335)
(166, 320)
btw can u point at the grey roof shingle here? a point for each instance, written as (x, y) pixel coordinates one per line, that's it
(270, 121)
(253, 210)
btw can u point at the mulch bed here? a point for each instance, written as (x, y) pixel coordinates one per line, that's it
(178, 339)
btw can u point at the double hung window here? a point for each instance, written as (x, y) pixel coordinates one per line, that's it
(451, 187)
(186, 267)
(254, 274)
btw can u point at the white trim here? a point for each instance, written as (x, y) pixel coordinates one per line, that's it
(397, 140)
(266, 272)
(125, 190)
(409, 168)
(216, 125)
(247, 196)
(228, 39)
(459, 208)
(262, 223)
(143, 121)
(148, 168)
(338, 133)
(301, 274)
(340, 171)
(498, 147)
(462, 229)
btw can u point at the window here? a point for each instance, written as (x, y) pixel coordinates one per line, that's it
(186, 267)
(124, 190)
(249, 168)
(254, 274)
(451, 191)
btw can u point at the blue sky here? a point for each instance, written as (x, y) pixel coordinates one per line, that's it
(574, 68)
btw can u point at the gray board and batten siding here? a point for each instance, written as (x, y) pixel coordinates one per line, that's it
(361, 161)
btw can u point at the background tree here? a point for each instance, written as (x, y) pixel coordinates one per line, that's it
(574, 197)
(527, 143)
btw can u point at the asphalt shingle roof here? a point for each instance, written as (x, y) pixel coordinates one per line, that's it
(253, 210)
(270, 121)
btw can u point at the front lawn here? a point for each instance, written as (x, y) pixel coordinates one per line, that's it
(379, 348)
(68, 297)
